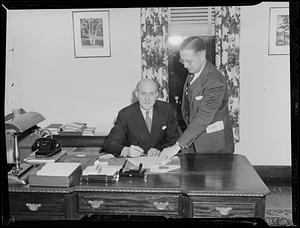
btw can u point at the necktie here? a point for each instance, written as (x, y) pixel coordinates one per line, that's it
(148, 121)
(192, 77)
(189, 83)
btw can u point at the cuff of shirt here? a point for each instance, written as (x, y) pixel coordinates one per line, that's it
(181, 147)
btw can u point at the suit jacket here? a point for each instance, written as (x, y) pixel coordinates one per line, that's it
(130, 129)
(205, 102)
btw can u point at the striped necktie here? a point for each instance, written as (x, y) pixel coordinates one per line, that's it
(192, 77)
(148, 121)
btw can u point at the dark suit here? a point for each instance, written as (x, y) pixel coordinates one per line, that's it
(205, 102)
(130, 129)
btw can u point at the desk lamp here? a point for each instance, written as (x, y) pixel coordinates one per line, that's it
(19, 125)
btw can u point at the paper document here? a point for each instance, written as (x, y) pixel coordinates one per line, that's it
(147, 162)
(163, 168)
(57, 169)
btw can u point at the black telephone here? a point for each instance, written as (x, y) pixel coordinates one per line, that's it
(45, 147)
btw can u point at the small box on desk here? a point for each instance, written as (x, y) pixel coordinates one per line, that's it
(107, 174)
(56, 175)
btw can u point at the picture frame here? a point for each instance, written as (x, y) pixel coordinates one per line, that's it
(91, 34)
(279, 31)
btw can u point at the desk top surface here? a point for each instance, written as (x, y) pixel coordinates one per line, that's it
(199, 175)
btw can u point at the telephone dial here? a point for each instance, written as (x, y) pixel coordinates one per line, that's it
(45, 147)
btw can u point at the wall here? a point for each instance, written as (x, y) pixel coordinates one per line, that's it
(48, 79)
(264, 92)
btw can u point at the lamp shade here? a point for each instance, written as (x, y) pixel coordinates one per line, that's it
(24, 121)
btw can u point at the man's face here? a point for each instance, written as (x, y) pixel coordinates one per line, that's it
(191, 60)
(147, 95)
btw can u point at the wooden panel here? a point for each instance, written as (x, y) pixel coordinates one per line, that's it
(223, 209)
(37, 216)
(129, 203)
(36, 204)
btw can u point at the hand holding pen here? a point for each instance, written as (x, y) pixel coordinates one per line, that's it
(135, 151)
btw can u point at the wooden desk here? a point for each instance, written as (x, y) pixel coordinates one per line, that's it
(206, 186)
(81, 141)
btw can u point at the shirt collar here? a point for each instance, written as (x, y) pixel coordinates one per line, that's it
(196, 75)
(144, 112)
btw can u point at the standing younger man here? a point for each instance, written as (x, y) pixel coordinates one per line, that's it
(204, 105)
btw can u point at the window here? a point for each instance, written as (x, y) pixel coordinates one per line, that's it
(192, 21)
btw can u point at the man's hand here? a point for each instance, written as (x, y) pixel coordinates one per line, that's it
(152, 152)
(134, 151)
(167, 153)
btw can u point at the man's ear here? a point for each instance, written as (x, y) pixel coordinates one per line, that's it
(203, 54)
(136, 93)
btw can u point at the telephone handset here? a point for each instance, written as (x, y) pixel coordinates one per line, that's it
(45, 147)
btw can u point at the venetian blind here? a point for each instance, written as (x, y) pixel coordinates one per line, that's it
(192, 20)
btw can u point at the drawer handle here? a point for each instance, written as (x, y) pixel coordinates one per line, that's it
(224, 210)
(33, 206)
(95, 203)
(161, 205)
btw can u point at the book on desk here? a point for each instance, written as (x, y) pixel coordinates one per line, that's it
(56, 175)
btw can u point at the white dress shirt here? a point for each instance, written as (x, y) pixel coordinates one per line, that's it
(144, 112)
(196, 75)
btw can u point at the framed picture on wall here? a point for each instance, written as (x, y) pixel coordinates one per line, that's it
(279, 31)
(91, 34)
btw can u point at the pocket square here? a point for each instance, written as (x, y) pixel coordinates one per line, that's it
(164, 127)
(198, 98)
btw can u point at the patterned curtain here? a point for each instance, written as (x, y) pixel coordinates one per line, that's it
(154, 34)
(227, 25)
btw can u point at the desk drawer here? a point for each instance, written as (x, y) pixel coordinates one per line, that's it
(128, 203)
(42, 205)
(223, 209)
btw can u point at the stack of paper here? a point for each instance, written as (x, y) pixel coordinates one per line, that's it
(56, 174)
(55, 128)
(74, 128)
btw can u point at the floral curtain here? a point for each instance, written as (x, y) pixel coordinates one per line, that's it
(227, 28)
(154, 34)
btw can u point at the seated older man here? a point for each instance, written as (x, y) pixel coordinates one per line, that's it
(145, 127)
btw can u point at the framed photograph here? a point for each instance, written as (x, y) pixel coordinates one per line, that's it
(279, 31)
(91, 34)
